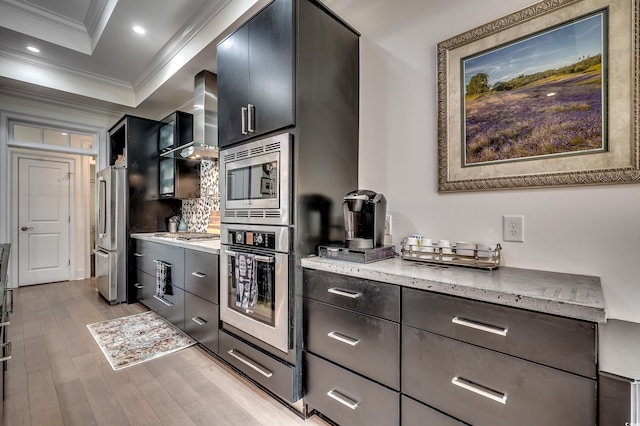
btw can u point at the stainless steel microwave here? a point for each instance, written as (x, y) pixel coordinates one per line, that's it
(255, 182)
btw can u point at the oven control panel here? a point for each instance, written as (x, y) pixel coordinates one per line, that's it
(254, 239)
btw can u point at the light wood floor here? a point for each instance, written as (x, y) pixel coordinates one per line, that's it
(59, 376)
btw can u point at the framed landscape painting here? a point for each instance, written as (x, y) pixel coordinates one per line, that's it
(546, 96)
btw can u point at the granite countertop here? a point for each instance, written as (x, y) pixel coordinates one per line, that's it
(568, 295)
(207, 246)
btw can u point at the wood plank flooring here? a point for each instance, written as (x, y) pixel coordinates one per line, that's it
(58, 376)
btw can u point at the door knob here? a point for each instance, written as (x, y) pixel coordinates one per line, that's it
(26, 228)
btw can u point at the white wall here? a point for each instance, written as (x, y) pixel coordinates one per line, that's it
(584, 230)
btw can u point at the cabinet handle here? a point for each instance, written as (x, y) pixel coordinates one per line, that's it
(198, 274)
(479, 326)
(138, 286)
(138, 254)
(263, 259)
(243, 359)
(480, 390)
(244, 121)
(345, 293)
(168, 265)
(333, 393)
(250, 127)
(344, 339)
(8, 351)
(9, 291)
(198, 320)
(166, 302)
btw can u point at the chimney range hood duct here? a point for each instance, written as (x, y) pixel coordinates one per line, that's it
(205, 118)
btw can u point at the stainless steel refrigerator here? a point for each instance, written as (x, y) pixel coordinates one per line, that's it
(111, 234)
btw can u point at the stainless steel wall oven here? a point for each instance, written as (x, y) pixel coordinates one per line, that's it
(266, 250)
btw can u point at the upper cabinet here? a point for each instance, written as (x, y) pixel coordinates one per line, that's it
(178, 178)
(256, 76)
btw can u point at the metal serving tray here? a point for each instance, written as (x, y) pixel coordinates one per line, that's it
(490, 259)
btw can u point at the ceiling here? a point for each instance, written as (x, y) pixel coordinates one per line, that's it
(91, 58)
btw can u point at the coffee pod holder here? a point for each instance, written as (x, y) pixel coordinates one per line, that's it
(483, 258)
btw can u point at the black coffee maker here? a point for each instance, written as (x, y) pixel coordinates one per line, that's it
(364, 215)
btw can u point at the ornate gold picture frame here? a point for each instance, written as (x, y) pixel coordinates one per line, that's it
(619, 159)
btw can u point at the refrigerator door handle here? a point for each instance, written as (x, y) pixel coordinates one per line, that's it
(101, 253)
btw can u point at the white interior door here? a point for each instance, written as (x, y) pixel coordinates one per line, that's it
(43, 221)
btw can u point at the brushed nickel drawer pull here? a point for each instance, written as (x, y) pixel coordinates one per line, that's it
(243, 359)
(345, 293)
(250, 118)
(244, 123)
(479, 326)
(198, 274)
(8, 356)
(168, 265)
(10, 290)
(166, 302)
(138, 254)
(259, 258)
(480, 390)
(138, 286)
(333, 393)
(198, 320)
(344, 339)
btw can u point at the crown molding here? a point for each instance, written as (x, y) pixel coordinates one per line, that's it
(101, 112)
(179, 41)
(35, 21)
(18, 66)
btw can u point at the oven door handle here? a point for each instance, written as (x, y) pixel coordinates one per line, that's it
(259, 258)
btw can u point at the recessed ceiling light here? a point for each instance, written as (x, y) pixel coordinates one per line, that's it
(138, 29)
(33, 49)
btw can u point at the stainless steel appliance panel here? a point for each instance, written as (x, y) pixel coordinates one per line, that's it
(269, 320)
(563, 343)
(255, 181)
(111, 234)
(487, 388)
(111, 211)
(347, 398)
(109, 274)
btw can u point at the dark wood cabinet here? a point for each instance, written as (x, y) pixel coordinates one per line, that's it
(352, 348)
(192, 305)
(256, 75)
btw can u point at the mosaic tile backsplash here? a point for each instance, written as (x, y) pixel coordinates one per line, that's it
(198, 213)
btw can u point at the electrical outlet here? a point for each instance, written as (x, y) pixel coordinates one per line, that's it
(513, 228)
(387, 225)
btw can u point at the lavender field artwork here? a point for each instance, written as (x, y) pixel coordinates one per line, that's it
(540, 96)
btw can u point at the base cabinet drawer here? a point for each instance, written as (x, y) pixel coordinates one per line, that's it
(201, 274)
(417, 414)
(487, 388)
(564, 343)
(367, 345)
(347, 398)
(171, 307)
(271, 373)
(201, 321)
(365, 296)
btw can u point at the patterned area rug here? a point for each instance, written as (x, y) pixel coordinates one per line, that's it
(137, 338)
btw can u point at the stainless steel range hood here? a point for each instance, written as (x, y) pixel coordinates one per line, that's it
(205, 120)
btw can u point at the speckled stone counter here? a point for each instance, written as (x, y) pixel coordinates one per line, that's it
(568, 295)
(207, 246)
